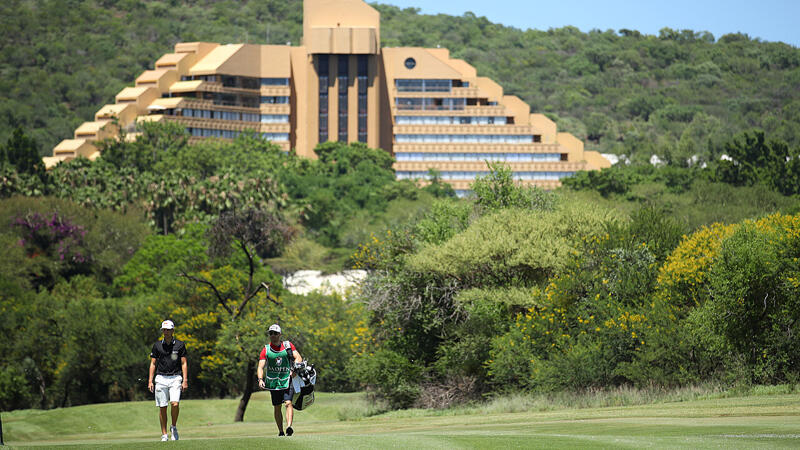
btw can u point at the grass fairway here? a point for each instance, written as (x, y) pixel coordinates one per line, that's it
(757, 421)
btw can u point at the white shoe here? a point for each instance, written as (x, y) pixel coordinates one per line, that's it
(164, 438)
(173, 433)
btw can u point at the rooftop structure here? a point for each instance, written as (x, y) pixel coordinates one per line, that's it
(429, 110)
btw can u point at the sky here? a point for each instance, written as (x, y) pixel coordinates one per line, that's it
(768, 20)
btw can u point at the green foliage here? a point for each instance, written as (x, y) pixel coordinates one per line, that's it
(689, 194)
(445, 219)
(743, 278)
(329, 332)
(614, 180)
(160, 259)
(660, 232)
(345, 179)
(61, 239)
(498, 190)
(511, 246)
(394, 376)
(64, 321)
(155, 142)
(22, 153)
(754, 295)
(755, 160)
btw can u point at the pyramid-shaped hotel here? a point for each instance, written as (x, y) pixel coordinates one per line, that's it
(427, 109)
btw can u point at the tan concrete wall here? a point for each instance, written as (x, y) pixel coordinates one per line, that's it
(304, 104)
(545, 126)
(141, 97)
(573, 145)
(200, 49)
(180, 62)
(160, 79)
(518, 109)
(340, 26)
(125, 113)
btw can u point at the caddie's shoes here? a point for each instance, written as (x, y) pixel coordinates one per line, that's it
(289, 431)
(173, 433)
(164, 438)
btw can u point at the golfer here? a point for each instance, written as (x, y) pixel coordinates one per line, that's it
(168, 366)
(278, 357)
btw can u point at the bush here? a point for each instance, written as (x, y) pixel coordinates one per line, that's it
(755, 296)
(391, 376)
(499, 190)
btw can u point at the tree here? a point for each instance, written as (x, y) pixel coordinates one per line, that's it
(22, 153)
(255, 233)
(754, 159)
(498, 190)
(156, 141)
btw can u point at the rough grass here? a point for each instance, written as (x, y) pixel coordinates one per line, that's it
(701, 417)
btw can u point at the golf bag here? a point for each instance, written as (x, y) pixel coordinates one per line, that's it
(303, 381)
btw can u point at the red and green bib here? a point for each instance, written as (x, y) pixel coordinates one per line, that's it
(278, 364)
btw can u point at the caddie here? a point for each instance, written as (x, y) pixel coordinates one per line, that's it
(278, 357)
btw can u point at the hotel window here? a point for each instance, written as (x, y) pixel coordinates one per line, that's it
(463, 138)
(322, 72)
(478, 157)
(274, 81)
(274, 99)
(343, 80)
(363, 69)
(409, 85)
(467, 175)
(420, 85)
(274, 118)
(229, 81)
(275, 136)
(430, 104)
(248, 82)
(449, 120)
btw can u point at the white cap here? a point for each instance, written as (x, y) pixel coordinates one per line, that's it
(167, 325)
(275, 327)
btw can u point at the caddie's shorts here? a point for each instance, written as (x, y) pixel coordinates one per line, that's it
(168, 389)
(282, 395)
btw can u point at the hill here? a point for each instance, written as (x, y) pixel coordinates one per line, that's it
(675, 95)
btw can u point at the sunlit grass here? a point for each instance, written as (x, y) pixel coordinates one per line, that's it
(694, 417)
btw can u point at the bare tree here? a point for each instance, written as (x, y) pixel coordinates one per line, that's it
(257, 234)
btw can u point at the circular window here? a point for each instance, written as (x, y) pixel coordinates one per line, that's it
(410, 63)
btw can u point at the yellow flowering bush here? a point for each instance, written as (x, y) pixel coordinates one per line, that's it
(682, 278)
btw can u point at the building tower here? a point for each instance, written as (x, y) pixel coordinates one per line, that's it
(429, 110)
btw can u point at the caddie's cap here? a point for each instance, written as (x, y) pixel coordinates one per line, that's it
(167, 325)
(275, 327)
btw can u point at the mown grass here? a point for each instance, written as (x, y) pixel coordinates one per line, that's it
(705, 417)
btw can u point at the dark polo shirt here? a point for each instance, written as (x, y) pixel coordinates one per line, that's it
(168, 356)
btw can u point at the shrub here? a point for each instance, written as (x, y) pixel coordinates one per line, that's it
(391, 375)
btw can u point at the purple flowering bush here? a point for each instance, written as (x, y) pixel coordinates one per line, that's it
(55, 243)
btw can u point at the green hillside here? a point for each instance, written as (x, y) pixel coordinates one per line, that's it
(647, 276)
(677, 94)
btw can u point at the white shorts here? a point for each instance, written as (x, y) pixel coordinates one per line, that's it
(168, 389)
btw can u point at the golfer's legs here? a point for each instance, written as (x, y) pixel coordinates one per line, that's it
(162, 401)
(162, 416)
(176, 408)
(278, 418)
(289, 413)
